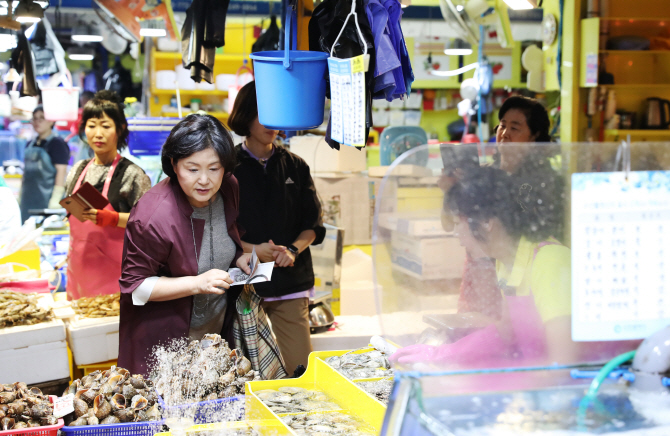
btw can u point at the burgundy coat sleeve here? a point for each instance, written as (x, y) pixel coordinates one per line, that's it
(145, 253)
(231, 195)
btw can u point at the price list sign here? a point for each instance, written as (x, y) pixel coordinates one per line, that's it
(620, 255)
(347, 100)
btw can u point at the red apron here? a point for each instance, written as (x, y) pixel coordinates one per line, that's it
(94, 264)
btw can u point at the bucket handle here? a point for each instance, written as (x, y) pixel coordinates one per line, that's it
(287, 39)
(358, 28)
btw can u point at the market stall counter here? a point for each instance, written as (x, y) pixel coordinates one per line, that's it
(560, 280)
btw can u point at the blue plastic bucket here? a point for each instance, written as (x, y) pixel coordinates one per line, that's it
(290, 86)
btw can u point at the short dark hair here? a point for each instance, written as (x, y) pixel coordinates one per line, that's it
(196, 133)
(484, 193)
(536, 115)
(106, 103)
(245, 110)
(38, 108)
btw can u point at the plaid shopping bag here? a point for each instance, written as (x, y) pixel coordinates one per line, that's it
(254, 336)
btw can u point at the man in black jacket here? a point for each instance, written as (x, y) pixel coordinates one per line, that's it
(281, 214)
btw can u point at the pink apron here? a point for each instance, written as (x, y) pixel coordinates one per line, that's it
(94, 264)
(529, 332)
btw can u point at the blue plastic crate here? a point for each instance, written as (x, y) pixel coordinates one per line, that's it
(206, 412)
(147, 135)
(146, 428)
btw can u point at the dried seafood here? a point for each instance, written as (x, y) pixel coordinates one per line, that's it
(24, 407)
(111, 397)
(200, 370)
(17, 308)
(372, 364)
(327, 424)
(98, 307)
(296, 400)
(380, 389)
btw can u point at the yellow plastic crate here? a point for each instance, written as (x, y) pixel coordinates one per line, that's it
(319, 376)
(263, 427)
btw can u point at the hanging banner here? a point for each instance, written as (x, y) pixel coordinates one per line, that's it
(129, 12)
(347, 100)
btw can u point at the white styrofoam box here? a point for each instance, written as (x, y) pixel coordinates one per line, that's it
(412, 118)
(380, 104)
(429, 226)
(35, 363)
(396, 118)
(184, 79)
(397, 104)
(28, 335)
(94, 340)
(168, 44)
(346, 204)
(414, 100)
(166, 79)
(323, 159)
(204, 86)
(432, 258)
(224, 81)
(381, 118)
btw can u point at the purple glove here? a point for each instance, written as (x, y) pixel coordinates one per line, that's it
(475, 347)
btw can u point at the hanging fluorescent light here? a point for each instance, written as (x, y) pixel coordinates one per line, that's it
(86, 34)
(456, 72)
(28, 12)
(154, 27)
(77, 53)
(521, 4)
(458, 47)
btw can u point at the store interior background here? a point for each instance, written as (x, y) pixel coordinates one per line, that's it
(347, 180)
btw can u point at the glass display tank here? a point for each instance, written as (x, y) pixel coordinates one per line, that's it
(509, 274)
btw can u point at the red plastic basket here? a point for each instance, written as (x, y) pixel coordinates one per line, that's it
(46, 430)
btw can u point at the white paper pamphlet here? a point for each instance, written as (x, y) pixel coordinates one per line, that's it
(347, 100)
(620, 255)
(260, 272)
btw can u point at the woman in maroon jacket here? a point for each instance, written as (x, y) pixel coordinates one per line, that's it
(180, 240)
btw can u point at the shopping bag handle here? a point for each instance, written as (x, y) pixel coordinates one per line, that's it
(239, 70)
(358, 29)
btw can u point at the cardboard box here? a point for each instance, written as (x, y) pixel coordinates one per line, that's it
(34, 354)
(323, 159)
(94, 340)
(346, 204)
(427, 258)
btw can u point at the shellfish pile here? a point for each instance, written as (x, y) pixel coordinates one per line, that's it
(111, 397)
(200, 371)
(21, 309)
(98, 307)
(380, 389)
(326, 424)
(296, 400)
(372, 364)
(24, 407)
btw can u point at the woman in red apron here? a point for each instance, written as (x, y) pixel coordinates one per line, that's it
(534, 276)
(96, 244)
